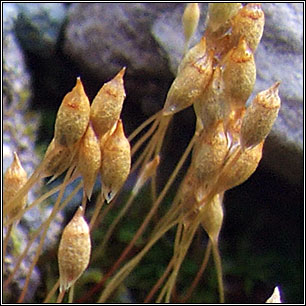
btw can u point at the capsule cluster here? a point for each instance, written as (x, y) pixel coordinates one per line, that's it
(217, 77)
(91, 139)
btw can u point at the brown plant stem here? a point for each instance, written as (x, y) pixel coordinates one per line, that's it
(196, 280)
(52, 292)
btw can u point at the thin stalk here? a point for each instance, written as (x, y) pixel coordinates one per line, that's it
(52, 292)
(159, 282)
(187, 238)
(60, 297)
(141, 141)
(71, 293)
(99, 203)
(143, 125)
(218, 264)
(115, 222)
(199, 274)
(6, 240)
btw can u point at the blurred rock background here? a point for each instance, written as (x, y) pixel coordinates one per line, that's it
(47, 45)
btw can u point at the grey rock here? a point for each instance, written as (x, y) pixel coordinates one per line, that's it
(107, 36)
(38, 26)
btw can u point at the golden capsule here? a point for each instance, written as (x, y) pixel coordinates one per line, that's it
(13, 180)
(190, 82)
(190, 21)
(248, 23)
(74, 250)
(239, 74)
(72, 117)
(212, 219)
(107, 105)
(89, 160)
(208, 158)
(116, 162)
(240, 170)
(209, 153)
(210, 107)
(260, 116)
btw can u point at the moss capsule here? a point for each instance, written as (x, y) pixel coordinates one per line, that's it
(190, 82)
(239, 74)
(72, 117)
(242, 169)
(116, 162)
(107, 105)
(260, 116)
(208, 158)
(210, 107)
(89, 160)
(13, 180)
(248, 23)
(74, 250)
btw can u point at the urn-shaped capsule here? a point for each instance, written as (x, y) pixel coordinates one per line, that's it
(191, 80)
(260, 116)
(248, 23)
(72, 117)
(208, 158)
(239, 74)
(89, 160)
(210, 108)
(14, 179)
(116, 162)
(241, 169)
(209, 153)
(107, 105)
(74, 250)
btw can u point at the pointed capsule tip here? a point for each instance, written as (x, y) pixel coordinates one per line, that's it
(79, 212)
(16, 160)
(275, 86)
(79, 84)
(121, 73)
